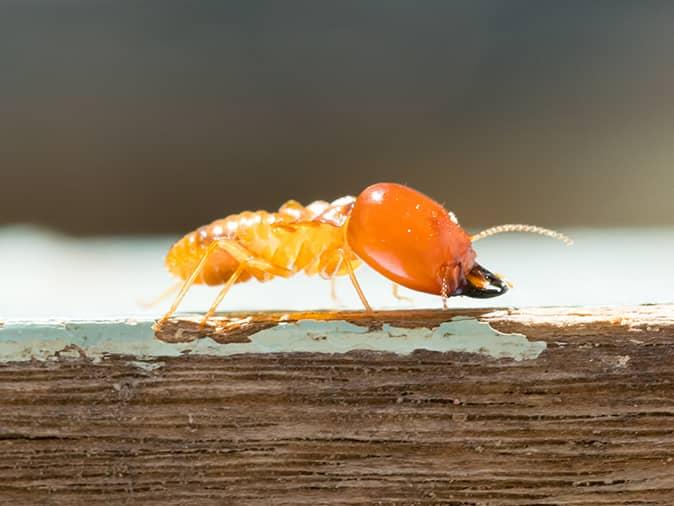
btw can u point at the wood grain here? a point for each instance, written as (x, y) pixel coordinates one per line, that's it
(590, 421)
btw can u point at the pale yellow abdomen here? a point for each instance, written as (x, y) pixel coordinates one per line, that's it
(300, 239)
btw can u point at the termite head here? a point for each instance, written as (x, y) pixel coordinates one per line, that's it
(412, 240)
(416, 243)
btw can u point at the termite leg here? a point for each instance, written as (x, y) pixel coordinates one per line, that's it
(188, 283)
(249, 260)
(448, 272)
(147, 304)
(221, 295)
(444, 300)
(356, 285)
(246, 261)
(395, 290)
(331, 274)
(333, 291)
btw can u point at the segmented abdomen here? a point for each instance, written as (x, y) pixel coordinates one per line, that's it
(296, 238)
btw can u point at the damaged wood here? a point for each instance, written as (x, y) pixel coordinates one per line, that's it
(237, 327)
(590, 421)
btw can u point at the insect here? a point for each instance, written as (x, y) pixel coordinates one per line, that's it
(403, 234)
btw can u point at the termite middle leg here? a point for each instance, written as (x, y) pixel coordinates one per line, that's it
(333, 291)
(356, 285)
(330, 272)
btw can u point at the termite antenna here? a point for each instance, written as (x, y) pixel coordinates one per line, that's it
(530, 229)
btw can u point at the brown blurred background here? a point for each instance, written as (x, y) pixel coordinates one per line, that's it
(157, 116)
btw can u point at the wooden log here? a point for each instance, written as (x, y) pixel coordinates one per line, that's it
(584, 417)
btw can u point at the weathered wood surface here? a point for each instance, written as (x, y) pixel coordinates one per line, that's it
(590, 421)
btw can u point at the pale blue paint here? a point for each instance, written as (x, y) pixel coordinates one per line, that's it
(23, 341)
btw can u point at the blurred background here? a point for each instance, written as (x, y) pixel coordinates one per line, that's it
(158, 116)
(151, 118)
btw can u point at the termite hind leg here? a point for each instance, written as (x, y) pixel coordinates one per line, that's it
(147, 304)
(188, 283)
(221, 295)
(395, 290)
(242, 255)
(247, 260)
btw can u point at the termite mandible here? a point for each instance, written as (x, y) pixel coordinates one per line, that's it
(403, 234)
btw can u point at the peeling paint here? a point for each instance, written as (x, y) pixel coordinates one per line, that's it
(56, 340)
(459, 335)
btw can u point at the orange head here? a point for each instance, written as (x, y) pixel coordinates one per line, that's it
(415, 242)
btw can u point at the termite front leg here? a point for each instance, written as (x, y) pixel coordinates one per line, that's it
(448, 273)
(444, 295)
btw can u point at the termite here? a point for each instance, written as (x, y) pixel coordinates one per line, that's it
(403, 234)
